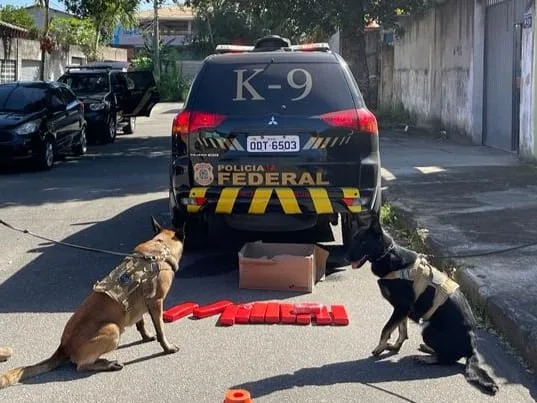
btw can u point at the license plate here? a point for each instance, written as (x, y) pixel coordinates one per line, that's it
(272, 144)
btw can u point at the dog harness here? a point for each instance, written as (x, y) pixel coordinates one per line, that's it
(422, 274)
(135, 278)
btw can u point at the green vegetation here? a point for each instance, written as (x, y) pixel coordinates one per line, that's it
(104, 16)
(20, 17)
(406, 234)
(74, 31)
(173, 87)
(397, 115)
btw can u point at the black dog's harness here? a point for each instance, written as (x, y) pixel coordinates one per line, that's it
(422, 275)
(135, 277)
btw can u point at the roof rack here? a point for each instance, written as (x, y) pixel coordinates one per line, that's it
(112, 65)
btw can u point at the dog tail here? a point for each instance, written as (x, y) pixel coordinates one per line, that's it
(16, 375)
(477, 376)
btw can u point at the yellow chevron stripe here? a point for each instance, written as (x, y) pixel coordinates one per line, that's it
(352, 193)
(226, 200)
(334, 141)
(260, 200)
(317, 143)
(288, 200)
(325, 143)
(195, 192)
(321, 202)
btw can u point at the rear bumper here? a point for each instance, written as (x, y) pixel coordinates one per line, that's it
(282, 200)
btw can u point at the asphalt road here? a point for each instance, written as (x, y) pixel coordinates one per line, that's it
(105, 200)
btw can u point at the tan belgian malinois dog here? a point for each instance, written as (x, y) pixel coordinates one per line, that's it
(137, 286)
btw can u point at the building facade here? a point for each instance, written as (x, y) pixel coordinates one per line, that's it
(175, 27)
(468, 67)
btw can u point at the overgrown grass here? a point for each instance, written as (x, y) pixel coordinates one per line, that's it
(413, 238)
(172, 86)
(394, 116)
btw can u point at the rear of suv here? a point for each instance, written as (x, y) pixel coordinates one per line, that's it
(273, 137)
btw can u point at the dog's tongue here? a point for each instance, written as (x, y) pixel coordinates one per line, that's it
(358, 264)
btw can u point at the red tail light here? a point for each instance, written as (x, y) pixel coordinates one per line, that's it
(361, 120)
(189, 121)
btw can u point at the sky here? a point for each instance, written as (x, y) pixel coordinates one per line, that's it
(58, 5)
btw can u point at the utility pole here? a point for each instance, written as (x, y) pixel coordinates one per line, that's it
(156, 50)
(45, 33)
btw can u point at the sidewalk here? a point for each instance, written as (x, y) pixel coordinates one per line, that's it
(473, 199)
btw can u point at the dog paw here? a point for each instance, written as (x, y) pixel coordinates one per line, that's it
(394, 347)
(425, 349)
(115, 366)
(173, 348)
(378, 351)
(148, 338)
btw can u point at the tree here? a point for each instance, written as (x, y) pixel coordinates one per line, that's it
(75, 31)
(16, 16)
(319, 19)
(105, 15)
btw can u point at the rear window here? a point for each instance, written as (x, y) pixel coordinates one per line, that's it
(259, 89)
(22, 99)
(86, 83)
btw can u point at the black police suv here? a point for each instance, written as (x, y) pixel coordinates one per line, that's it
(274, 137)
(40, 120)
(112, 95)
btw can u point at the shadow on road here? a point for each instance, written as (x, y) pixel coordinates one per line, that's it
(61, 277)
(93, 176)
(366, 371)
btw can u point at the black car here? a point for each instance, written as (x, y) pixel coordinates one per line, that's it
(112, 97)
(40, 120)
(274, 137)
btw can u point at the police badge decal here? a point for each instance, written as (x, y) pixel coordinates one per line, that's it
(203, 173)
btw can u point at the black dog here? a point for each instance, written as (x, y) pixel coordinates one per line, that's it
(416, 290)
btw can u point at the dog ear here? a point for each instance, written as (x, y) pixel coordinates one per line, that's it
(156, 226)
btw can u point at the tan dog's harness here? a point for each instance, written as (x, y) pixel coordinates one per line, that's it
(135, 278)
(422, 274)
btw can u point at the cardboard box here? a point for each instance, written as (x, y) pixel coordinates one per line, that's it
(281, 266)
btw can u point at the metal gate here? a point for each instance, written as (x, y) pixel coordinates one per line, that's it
(8, 71)
(502, 73)
(30, 70)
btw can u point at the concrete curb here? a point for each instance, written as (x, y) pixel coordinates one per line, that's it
(500, 315)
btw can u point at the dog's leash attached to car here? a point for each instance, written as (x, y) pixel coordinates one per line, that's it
(72, 245)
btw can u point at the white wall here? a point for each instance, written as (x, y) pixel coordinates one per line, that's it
(527, 136)
(433, 73)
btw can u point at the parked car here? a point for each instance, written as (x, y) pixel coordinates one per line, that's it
(274, 137)
(112, 95)
(40, 120)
